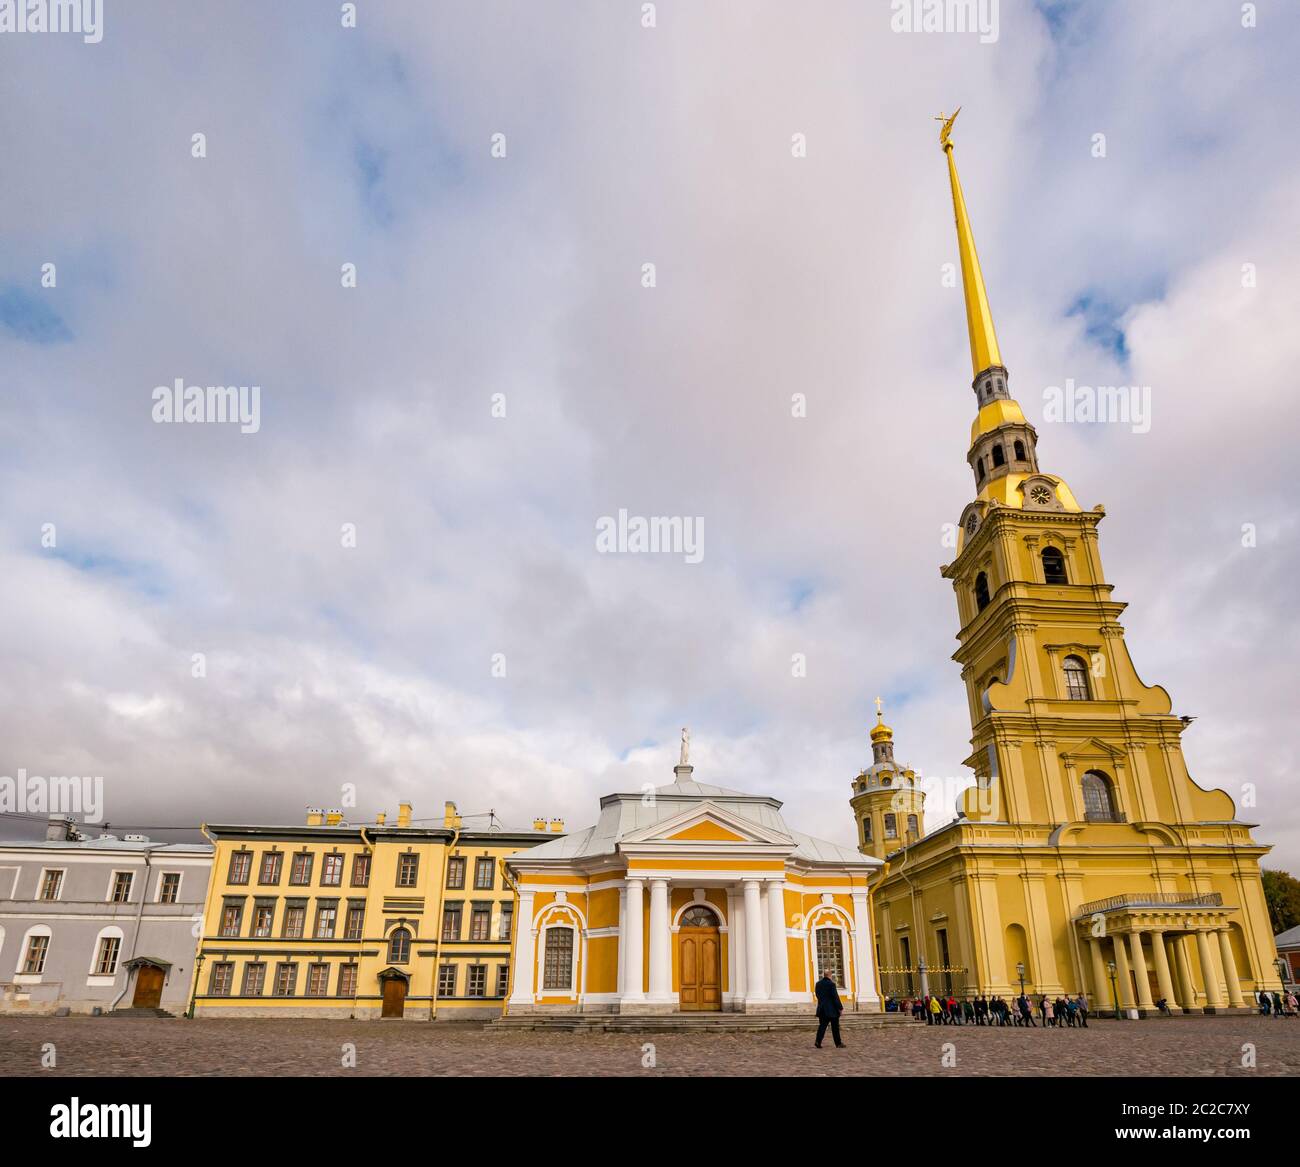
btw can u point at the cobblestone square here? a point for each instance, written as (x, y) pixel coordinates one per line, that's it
(103, 1047)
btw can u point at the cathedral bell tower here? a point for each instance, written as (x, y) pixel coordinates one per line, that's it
(888, 805)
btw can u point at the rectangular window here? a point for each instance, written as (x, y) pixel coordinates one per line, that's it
(51, 883)
(223, 977)
(408, 869)
(891, 825)
(451, 921)
(34, 961)
(232, 917)
(286, 979)
(480, 922)
(866, 829)
(327, 912)
(318, 980)
(269, 872)
(484, 873)
(503, 979)
(331, 870)
(122, 881)
(456, 873)
(300, 872)
(295, 919)
(263, 917)
(254, 979)
(355, 921)
(446, 980)
(106, 958)
(507, 918)
(830, 954)
(476, 985)
(360, 870)
(241, 865)
(557, 967)
(169, 887)
(347, 980)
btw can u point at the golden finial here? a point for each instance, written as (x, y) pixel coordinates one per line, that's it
(880, 704)
(946, 131)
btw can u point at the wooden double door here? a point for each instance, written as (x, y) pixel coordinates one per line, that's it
(699, 953)
(149, 980)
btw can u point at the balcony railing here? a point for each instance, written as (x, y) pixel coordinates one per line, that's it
(1153, 899)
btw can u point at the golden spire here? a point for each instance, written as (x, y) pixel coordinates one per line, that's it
(979, 320)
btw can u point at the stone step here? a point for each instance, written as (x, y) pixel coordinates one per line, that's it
(132, 1012)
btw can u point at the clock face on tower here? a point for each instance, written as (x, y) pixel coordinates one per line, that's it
(1041, 495)
(971, 523)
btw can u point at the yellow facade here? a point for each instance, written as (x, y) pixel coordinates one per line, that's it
(334, 919)
(690, 898)
(1085, 856)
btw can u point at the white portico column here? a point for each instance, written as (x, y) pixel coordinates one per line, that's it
(753, 942)
(631, 939)
(864, 956)
(661, 961)
(778, 951)
(525, 940)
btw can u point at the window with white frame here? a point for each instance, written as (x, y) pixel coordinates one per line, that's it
(51, 883)
(120, 890)
(106, 956)
(557, 963)
(169, 887)
(38, 948)
(830, 954)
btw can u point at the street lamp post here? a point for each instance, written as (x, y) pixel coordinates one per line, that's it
(1114, 992)
(1020, 972)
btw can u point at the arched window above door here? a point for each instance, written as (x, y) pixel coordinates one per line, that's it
(698, 916)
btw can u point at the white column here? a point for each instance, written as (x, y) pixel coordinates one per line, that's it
(621, 984)
(737, 938)
(864, 955)
(753, 942)
(661, 961)
(766, 983)
(733, 982)
(778, 951)
(525, 941)
(632, 990)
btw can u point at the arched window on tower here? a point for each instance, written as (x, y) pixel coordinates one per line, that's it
(1076, 679)
(1099, 798)
(891, 826)
(1020, 451)
(912, 828)
(999, 456)
(1054, 566)
(981, 591)
(979, 469)
(866, 829)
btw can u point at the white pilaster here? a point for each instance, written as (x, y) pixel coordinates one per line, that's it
(525, 943)
(738, 942)
(621, 985)
(778, 951)
(733, 964)
(754, 990)
(661, 965)
(864, 955)
(631, 938)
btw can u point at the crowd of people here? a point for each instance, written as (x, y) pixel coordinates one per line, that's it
(1062, 1012)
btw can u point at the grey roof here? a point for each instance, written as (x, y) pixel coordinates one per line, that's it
(624, 814)
(114, 844)
(1289, 938)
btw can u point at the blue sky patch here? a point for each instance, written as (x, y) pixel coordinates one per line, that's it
(30, 318)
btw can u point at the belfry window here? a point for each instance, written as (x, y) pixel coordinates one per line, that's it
(999, 457)
(1076, 680)
(981, 591)
(866, 830)
(399, 947)
(891, 826)
(979, 469)
(1053, 566)
(1098, 798)
(1020, 451)
(912, 828)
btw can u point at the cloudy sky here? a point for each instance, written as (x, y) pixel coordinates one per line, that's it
(522, 276)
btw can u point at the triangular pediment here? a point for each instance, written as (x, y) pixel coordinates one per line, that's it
(1091, 750)
(707, 823)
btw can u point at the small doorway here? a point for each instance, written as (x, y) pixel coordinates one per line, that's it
(699, 949)
(394, 983)
(148, 987)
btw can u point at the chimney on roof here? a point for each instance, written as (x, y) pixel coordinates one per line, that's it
(333, 818)
(451, 816)
(403, 814)
(382, 817)
(557, 826)
(60, 829)
(539, 824)
(315, 816)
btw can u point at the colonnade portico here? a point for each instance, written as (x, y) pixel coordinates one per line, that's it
(1155, 940)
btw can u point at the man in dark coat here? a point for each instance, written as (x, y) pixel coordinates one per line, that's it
(829, 1009)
